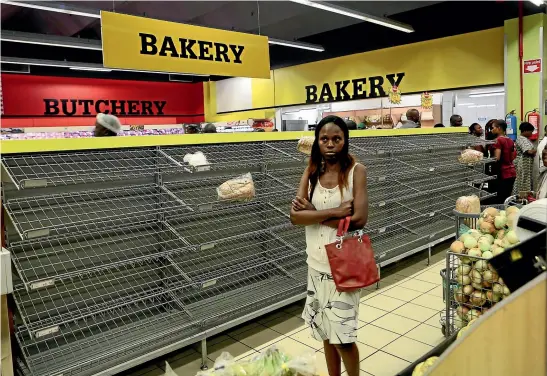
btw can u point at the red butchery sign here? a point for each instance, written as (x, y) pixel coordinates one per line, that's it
(532, 66)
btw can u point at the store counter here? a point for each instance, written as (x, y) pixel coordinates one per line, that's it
(46, 145)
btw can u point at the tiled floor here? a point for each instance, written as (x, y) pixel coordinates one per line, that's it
(398, 323)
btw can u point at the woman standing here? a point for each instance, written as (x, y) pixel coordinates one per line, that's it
(504, 153)
(475, 129)
(524, 164)
(332, 187)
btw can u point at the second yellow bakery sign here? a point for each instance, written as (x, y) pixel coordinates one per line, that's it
(138, 43)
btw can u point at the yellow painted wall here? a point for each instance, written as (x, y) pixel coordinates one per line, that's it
(467, 60)
(531, 82)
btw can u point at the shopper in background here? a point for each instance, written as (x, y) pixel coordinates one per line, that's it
(351, 125)
(192, 129)
(438, 125)
(361, 125)
(542, 181)
(456, 121)
(504, 152)
(490, 168)
(332, 187)
(539, 167)
(210, 128)
(412, 119)
(107, 125)
(524, 163)
(475, 129)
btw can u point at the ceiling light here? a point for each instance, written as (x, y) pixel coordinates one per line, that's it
(358, 15)
(53, 7)
(301, 45)
(91, 69)
(464, 104)
(486, 95)
(50, 40)
(537, 2)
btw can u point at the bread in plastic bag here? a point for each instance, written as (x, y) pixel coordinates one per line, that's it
(470, 156)
(468, 204)
(197, 160)
(305, 144)
(241, 188)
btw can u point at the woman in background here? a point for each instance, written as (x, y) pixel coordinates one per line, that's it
(504, 152)
(475, 129)
(524, 163)
(332, 187)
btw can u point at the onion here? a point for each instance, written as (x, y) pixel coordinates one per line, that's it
(512, 221)
(497, 288)
(478, 298)
(500, 235)
(465, 260)
(463, 269)
(470, 242)
(487, 255)
(474, 252)
(463, 279)
(459, 296)
(467, 290)
(511, 236)
(457, 247)
(481, 265)
(489, 238)
(462, 311)
(459, 323)
(492, 212)
(473, 314)
(477, 286)
(474, 233)
(487, 228)
(490, 276)
(500, 221)
(506, 291)
(500, 281)
(492, 296)
(512, 209)
(496, 250)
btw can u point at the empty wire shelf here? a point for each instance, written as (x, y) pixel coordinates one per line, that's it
(436, 226)
(54, 169)
(81, 346)
(63, 213)
(456, 192)
(428, 204)
(201, 194)
(381, 145)
(384, 218)
(394, 242)
(389, 191)
(387, 169)
(288, 176)
(42, 262)
(211, 227)
(46, 311)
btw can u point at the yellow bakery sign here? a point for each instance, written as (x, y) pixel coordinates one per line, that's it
(138, 43)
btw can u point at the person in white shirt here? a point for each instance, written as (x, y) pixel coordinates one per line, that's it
(332, 187)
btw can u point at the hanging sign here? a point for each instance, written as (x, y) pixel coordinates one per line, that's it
(532, 66)
(426, 101)
(394, 95)
(131, 42)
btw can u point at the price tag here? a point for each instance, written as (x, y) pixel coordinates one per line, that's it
(209, 283)
(42, 284)
(382, 178)
(382, 230)
(45, 332)
(431, 169)
(205, 247)
(382, 203)
(431, 214)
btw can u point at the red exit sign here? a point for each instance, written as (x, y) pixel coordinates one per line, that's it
(532, 66)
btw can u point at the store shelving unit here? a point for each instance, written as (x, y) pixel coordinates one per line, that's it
(124, 255)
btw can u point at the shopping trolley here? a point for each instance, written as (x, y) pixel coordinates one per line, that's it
(464, 222)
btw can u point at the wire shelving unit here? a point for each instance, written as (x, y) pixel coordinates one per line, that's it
(121, 255)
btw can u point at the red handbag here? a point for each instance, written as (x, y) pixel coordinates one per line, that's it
(351, 260)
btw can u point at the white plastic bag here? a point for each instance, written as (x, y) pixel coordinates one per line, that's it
(241, 188)
(470, 156)
(468, 204)
(197, 160)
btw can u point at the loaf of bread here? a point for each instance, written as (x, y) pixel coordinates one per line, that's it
(470, 156)
(241, 188)
(305, 144)
(468, 204)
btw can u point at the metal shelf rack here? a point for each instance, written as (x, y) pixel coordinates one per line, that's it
(110, 277)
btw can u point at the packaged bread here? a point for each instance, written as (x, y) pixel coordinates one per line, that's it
(241, 188)
(470, 156)
(468, 204)
(197, 160)
(305, 144)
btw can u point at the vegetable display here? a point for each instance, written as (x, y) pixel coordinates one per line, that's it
(422, 368)
(478, 285)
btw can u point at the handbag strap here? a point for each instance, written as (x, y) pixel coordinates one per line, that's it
(343, 226)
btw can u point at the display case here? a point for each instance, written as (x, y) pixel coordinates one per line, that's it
(124, 254)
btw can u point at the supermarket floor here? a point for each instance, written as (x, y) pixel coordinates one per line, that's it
(397, 324)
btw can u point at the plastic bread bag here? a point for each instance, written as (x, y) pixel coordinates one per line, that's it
(225, 365)
(197, 160)
(305, 144)
(302, 365)
(470, 156)
(468, 204)
(270, 362)
(241, 188)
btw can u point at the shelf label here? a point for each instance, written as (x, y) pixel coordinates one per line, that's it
(382, 178)
(205, 247)
(202, 168)
(42, 284)
(431, 169)
(382, 230)
(431, 214)
(209, 283)
(45, 332)
(205, 207)
(382, 203)
(37, 233)
(34, 183)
